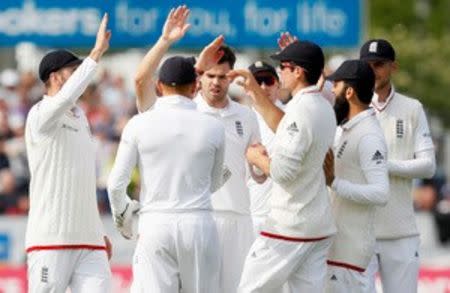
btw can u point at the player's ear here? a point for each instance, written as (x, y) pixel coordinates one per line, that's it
(349, 93)
(159, 88)
(394, 66)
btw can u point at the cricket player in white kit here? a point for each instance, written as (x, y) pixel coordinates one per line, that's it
(65, 242)
(267, 77)
(180, 153)
(410, 155)
(183, 254)
(231, 204)
(358, 176)
(296, 237)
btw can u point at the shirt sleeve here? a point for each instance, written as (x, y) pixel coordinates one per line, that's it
(372, 152)
(120, 175)
(423, 140)
(292, 141)
(422, 166)
(424, 163)
(51, 109)
(217, 176)
(255, 135)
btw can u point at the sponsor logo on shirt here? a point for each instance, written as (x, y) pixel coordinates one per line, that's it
(292, 128)
(239, 128)
(68, 127)
(341, 149)
(333, 278)
(378, 157)
(400, 128)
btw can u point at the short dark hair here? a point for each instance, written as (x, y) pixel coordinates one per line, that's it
(312, 76)
(364, 94)
(228, 56)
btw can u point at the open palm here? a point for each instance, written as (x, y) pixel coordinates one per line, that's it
(176, 26)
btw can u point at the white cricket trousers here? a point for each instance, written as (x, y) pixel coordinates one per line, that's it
(81, 270)
(176, 252)
(398, 263)
(236, 236)
(271, 263)
(344, 280)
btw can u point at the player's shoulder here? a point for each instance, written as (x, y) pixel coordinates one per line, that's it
(244, 112)
(405, 100)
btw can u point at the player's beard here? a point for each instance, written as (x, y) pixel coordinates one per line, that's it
(341, 107)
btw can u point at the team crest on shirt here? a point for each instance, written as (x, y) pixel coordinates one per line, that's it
(400, 128)
(341, 149)
(239, 128)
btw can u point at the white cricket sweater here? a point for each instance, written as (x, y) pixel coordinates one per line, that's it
(61, 156)
(361, 184)
(241, 131)
(406, 131)
(300, 204)
(179, 152)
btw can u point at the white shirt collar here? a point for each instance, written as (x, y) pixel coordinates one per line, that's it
(379, 106)
(229, 110)
(175, 101)
(306, 90)
(358, 118)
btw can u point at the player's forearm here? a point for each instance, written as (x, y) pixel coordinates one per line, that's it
(423, 166)
(271, 114)
(373, 193)
(217, 178)
(144, 80)
(284, 170)
(70, 92)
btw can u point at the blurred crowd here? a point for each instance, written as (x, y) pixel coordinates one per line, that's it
(108, 105)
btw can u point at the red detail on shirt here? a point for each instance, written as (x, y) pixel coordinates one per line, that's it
(345, 265)
(60, 247)
(293, 239)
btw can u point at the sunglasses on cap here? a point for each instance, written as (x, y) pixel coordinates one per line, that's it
(268, 80)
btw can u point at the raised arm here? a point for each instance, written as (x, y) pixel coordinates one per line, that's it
(174, 29)
(53, 108)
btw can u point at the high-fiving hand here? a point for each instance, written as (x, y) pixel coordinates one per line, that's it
(102, 40)
(176, 24)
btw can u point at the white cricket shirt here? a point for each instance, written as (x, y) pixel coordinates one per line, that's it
(241, 130)
(61, 156)
(361, 184)
(300, 204)
(407, 135)
(179, 152)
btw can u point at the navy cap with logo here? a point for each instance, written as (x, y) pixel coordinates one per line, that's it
(358, 73)
(303, 53)
(377, 50)
(55, 61)
(262, 67)
(177, 71)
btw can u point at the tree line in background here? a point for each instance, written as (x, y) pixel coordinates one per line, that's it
(420, 33)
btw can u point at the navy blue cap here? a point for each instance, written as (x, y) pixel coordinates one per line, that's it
(377, 50)
(177, 71)
(261, 66)
(55, 61)
(359, 74)
(303, 53)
